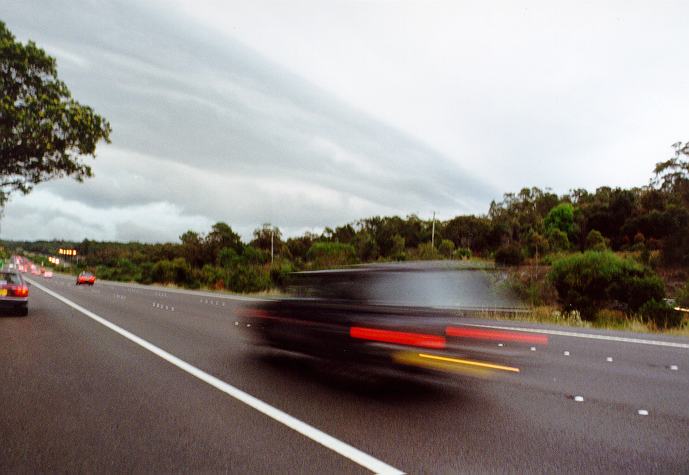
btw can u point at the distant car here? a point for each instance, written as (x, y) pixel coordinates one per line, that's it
(86, 278)
(14, 293)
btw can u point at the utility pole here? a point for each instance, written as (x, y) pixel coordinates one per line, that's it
(272, 231)
(433, 232)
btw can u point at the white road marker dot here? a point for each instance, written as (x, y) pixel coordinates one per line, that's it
(172, 308)
(609, 358)
(500, 344)
(566, 353)
(673, 367)
(643, 412)
(533, 348)
(236, 323)
(579, 398)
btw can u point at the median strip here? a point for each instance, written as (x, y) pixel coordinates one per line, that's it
(328, 441)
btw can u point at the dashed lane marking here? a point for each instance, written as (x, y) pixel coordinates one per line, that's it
(336, 445)
(590, 336)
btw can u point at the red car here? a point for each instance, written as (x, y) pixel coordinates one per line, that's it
(86, 278)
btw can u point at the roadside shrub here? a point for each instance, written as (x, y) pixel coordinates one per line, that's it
(446, 248)
(595, 241)
(247, 279)
(212, 277)
(254, 255)
(509, 255)
(660, 314)
(331, 254)
(682, 297)
(531, 285)
(590, 281)
(398, 251)
(427, 252)
(181, 274)
(462, 253)
(279, 273)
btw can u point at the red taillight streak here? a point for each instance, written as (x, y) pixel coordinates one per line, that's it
(402, 338)
(496, 335)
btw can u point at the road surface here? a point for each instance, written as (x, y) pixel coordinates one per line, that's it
(126, 378)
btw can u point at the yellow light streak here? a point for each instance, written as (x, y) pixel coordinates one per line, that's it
(468, 362)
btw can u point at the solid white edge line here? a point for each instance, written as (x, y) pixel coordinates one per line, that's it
(584, 335)
(336, 445)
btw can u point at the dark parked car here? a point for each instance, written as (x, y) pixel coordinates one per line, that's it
(14, 292)
(391, 318)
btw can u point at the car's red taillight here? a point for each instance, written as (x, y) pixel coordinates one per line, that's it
(20, 291)
(401, 338)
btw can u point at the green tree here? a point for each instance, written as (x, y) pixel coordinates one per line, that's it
(560, 217)
(44, 133)
(673, 175)
(221, 237)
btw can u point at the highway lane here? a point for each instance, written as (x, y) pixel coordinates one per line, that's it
(125, 409)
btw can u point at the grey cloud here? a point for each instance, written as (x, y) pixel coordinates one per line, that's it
(185, 96)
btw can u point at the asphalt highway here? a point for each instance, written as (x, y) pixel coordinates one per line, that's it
(128, 378)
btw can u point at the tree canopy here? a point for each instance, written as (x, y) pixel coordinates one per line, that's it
(44, 133)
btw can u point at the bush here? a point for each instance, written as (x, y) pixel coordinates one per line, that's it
(558, 240)
(531, 286)
(247, 279)
(462, 253)
(446, 248)
(280, 272)
(660, 314)
(682, 297)
(427, 252)
(509, 255)
(595, 241)
(331, 254)
(590, 281)
(212, 277)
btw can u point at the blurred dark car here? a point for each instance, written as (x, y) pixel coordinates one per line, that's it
(14, 292)
(86, 278)
(392, 318)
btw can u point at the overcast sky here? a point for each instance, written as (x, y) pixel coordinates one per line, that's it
(308, 114)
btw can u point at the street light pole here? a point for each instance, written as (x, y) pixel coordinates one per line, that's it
(433, 232)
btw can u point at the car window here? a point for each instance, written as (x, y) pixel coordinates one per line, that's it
(9, 278)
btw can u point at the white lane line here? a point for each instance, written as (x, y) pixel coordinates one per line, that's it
(640, 341)
(336, 445)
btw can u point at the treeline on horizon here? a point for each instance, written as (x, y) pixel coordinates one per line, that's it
(650, 223)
